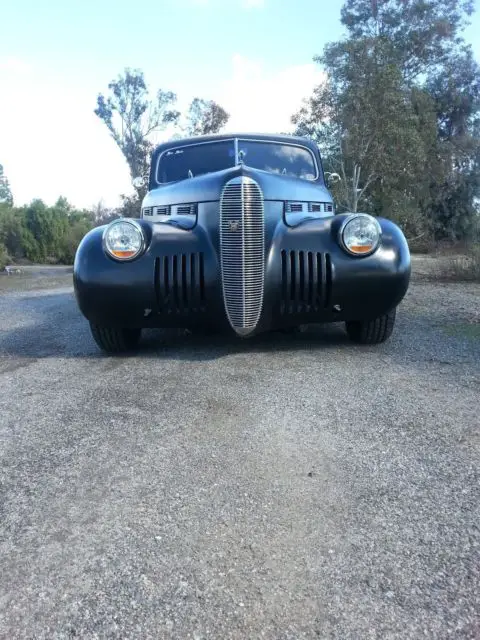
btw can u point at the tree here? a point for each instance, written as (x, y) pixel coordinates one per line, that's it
(396, 84)
(5, 191)
(3, 257)
(132, 118)
(418, 34)
(43, 234)
(205, 117)
(367, 130)
(102, 214)
(455, 91)
(12, 232)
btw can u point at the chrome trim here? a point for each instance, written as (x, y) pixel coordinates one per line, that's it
(134, 224)
(235, 142)
(242, 252)
(351, 217)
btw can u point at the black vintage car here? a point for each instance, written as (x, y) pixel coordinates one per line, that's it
(239, 232)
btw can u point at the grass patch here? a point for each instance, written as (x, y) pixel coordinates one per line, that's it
(460, 268)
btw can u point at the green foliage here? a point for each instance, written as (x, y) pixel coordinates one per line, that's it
(205, 117)
(417, 35)
(41, 234)
(133, 118)
(368, 131)
(130, 207)
(12, 231)
(4, 257)
(398, 117)
(455, 91)
(5, 192)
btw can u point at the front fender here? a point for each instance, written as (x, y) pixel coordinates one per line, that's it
(309, 275)
(112, 293)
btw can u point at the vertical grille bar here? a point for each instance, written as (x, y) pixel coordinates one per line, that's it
(319, 279)
(178, 282)
(201, 278)
(156, 286)
(293, 281)
(306, 281)
(328, 280)
(310, 280)
(298, 280)
(285, 282)
(242, 250)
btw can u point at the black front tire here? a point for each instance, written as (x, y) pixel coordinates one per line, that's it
(372, 331)
(115, 340)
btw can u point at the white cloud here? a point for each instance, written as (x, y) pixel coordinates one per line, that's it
(53, 144)
(261, 101)
(11, 64)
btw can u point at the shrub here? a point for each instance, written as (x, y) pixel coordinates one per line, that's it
(465, 267)
(4, 258)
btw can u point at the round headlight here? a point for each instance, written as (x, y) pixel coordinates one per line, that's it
(360, 234)
(124, 239)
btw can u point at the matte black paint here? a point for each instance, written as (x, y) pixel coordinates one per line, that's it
(177, 281)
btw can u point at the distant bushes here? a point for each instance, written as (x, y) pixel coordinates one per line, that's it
(3, 257)
(41, 234)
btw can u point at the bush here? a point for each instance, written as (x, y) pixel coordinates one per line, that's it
(464, 267)
(4, 258)
(42, 234)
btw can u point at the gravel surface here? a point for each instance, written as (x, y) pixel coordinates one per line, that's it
(285, 487)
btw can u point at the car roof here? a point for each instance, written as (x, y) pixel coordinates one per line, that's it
(286, 138)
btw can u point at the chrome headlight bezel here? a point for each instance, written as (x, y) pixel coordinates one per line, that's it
(138, 229)
(346, 222)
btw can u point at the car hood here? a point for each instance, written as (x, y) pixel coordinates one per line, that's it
(208, 188)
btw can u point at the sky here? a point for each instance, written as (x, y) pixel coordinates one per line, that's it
(254, 57)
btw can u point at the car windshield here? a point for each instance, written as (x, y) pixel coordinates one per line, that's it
(285, 159)
(198, 159)
(195, 160)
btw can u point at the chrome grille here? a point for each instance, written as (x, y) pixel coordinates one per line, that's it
(242, 249)
(162, 211)
(185, 209)
(294, 207)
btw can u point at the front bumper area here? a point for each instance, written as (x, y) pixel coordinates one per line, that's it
(177, 282)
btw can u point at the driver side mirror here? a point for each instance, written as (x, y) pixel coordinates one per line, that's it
(139, 182)
(332, 178)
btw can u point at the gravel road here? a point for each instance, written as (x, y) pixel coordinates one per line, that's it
(286, 487)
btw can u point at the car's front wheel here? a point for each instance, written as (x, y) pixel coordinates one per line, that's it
(114, 339)
(371, 331)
